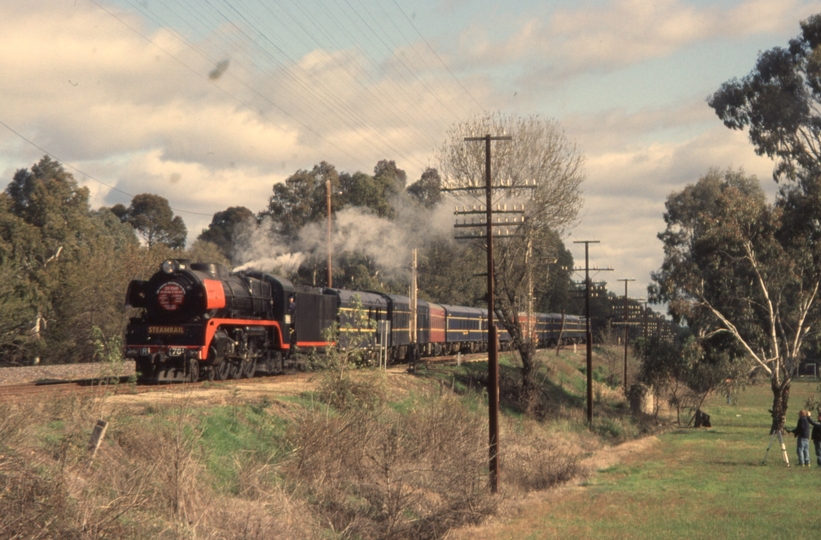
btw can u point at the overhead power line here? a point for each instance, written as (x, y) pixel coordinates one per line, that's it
(419, 103)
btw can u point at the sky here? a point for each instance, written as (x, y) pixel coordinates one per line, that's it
(209, 103)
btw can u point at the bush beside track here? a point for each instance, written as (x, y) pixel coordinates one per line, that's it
(363, 454)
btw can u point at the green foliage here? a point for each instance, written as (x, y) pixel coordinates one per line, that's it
(736, 269)
(301, 199)
(64, 267)
(778, 102)
(202, 250)
(445, 265)
(16, 310)
(427, 190)
(688, 372)
(152, 218)
(353, 349)
(223, 229)
(374, 192)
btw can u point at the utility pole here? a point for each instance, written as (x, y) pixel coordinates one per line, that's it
(625, 280)
(589, 333)
(328, 204)
(493, 338)
(645, 327)
(413, 297)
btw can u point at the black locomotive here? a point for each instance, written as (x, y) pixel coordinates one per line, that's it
(201, 321)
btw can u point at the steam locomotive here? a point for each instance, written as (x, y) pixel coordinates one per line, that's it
(200, 321)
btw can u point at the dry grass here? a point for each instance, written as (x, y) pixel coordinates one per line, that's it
(382, 474)
(367, 460)
(147, 480)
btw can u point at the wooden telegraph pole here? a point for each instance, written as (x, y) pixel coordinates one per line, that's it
(328, 204)
(589, 333)
(493, 338)
(626, 329)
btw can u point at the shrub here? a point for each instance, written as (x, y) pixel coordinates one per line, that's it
(381, 474)
(536, 460)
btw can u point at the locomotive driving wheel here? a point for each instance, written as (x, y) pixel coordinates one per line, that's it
(221, 370)
(249, 368)
(235, 370)
(193, 370)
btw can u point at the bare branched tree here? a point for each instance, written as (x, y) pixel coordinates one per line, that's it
(548, 169)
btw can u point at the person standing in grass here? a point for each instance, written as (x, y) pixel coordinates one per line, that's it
(802, 434)
(816, 438)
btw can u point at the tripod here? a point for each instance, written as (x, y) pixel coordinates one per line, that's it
(777, 433)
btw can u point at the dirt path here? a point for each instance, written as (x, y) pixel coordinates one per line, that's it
(519, 518)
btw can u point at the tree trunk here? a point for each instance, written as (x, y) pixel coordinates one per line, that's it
(527, 372)
(527, 352)
(781, 395)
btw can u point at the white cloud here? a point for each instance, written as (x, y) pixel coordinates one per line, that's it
(627, 186)
(570, 41)
(84, 87)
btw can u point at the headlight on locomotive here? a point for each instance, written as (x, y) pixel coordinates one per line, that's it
(172, 266)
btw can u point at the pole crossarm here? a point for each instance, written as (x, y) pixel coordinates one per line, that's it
(509, 185)
(481, 210)
(506, 223)
(490, 138)
(479, 235)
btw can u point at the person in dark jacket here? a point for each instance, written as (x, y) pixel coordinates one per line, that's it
(816, 439)
(802, 435)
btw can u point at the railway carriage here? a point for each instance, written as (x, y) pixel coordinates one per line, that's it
(359, 315)
(400, 331)
(465, 329)
(430, 328)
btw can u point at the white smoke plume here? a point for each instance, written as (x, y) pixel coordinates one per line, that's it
(386, 243)
(258, 247)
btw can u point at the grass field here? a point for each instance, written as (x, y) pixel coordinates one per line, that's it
(695, 483)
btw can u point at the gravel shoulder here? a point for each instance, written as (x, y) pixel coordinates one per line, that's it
(66, 372)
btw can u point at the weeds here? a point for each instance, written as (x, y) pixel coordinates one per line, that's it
(375, 473)
(350, 461)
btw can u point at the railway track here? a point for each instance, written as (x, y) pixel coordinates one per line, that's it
(122, 385)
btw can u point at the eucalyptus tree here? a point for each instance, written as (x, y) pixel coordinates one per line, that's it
(66, 266)
(739, 266)
(779, 102)
(301, 199)
(542, 171)
(224, 227)
(427, 190)
(154, 220)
